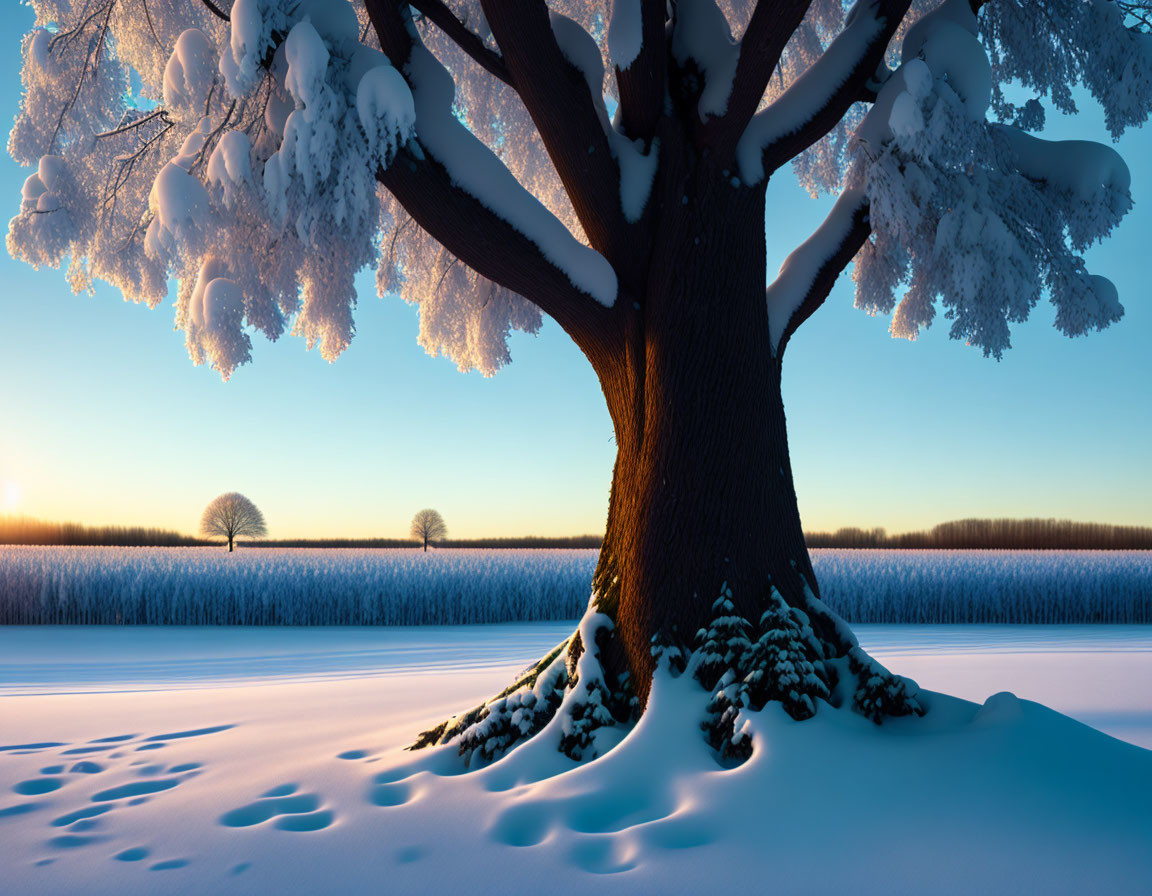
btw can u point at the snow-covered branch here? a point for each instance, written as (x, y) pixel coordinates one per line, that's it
(559, 74)
(636, 49)
(983, 218)
(769, 30)
(809, 272)
(820, 98)
(460, 192)
(471, 43)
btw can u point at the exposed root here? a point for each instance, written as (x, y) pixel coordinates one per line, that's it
(797, 657)
(570, 682)
(457, 726)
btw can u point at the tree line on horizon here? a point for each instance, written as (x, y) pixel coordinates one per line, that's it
(971, 534)
(994, 534)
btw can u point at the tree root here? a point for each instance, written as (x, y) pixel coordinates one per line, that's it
(570, 681)
(782, 659)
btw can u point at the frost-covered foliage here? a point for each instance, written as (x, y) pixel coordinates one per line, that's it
(164, 137)
(250, 180)
(286, 586)
(291, 586)
(964, 207)
(982, 217)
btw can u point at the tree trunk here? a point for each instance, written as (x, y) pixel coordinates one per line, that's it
(229, 544)
(702, 493)
(702, 505)
(425, 544)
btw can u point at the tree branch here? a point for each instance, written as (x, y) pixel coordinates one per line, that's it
(820, 98)
(491, 246)
(641, 84)
(808, 274)
(771, 26)
(468, 41)
(565, 113)
(216, 10)
(468, 228)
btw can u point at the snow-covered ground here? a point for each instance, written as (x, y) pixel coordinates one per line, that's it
(192, 760)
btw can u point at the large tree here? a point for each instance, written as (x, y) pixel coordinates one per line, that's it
(500, 159)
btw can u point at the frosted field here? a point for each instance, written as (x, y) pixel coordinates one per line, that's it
(293, 586)
(192, 760)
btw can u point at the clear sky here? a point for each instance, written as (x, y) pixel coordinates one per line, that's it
(103, 419)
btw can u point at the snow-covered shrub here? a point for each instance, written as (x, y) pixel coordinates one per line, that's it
(723, 644)
(879, 693)
(780, 666)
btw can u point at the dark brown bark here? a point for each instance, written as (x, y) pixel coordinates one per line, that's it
(769, 29)
(702, 494)
(641, 84)
(443, 18)
(702, 491)
(854, 88)
(565, 114)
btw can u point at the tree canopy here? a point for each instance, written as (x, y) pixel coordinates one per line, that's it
(326, 137)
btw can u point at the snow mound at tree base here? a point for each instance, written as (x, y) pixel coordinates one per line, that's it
(1005, 797)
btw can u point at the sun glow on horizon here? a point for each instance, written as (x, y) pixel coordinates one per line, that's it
(9, 495)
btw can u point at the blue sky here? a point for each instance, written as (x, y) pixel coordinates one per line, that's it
(103, 419)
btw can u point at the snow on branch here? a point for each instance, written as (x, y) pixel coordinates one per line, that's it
(636, 45)
(820, 97)
(471, 43)
(477, 171)
(702, 39)
(808, 273)
(163, 137)
(769, 31)
(272, 128)
(501, 242)
(559, 73)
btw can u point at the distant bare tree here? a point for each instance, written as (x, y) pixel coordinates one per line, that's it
(428, 526)
(232, 515)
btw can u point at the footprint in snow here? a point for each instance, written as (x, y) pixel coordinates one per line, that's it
(136, 788)
(22, 749)
(36, 786)
(80, 815)
(290, 810)
(168, 865)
